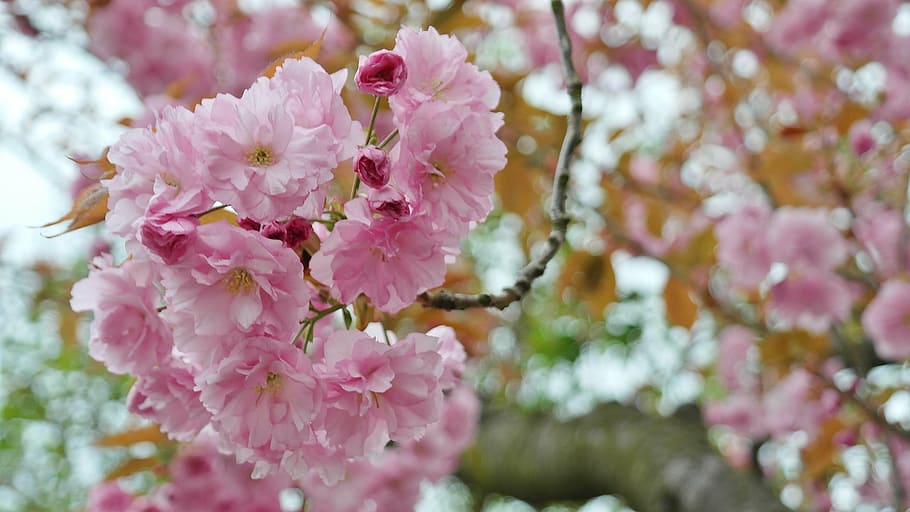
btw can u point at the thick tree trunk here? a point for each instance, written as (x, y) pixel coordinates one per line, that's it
(655, 464)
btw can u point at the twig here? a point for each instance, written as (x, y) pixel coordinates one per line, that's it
(868, 409)
(560, 219)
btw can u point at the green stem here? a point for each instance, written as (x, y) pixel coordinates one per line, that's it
(373, 115)
(310, 323)
(388, 139)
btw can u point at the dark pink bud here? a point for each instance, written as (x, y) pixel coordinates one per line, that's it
(249, 224)
(273, 230)
(382, 73)
(168, 236)
(296, 231)
(373, 166)
(861, 139)
(389, 203)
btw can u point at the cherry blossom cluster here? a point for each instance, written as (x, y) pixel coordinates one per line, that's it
(183, 50)
(201, 479)
(234, 325)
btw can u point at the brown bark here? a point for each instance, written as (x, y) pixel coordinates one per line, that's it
(656, 464)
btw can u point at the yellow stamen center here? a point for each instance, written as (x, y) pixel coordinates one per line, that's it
(272, 385)
(240, 281)
(260, 157)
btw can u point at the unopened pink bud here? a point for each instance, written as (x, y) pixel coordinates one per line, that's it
(382, 73)
(296, 231)
(168, 236)
(373, 166)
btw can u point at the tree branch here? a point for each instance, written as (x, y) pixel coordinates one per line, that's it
(535, 268)
(656, 464)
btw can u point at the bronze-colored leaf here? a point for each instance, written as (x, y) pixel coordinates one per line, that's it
(148, 434)
(681, 309)
(218, 215)
(591, 279)
(89, 208)
(132, 466)
(298, 50)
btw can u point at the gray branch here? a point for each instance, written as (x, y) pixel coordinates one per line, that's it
(656, 464)
(560, 219)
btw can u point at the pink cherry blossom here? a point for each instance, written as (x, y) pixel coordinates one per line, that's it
(234, 280)
(453, 356)
(376, 393)
(739, 412)
(861, 139)
(803, 238)
(437, 71)
(887, 320)
(167, 395)
(204, 480)
(390, 260)
(128, 336)
(811, 300)
(878, 229)
(798, 402)
(159, 164)
(248, 43)
(735, 343)
(440, 448)
(263, 398)
(742, 245)
(108, 497)
(449, 156)
(261, 160)
(381, 73)
(157, 54)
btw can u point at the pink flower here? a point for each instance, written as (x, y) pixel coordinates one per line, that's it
(263, 398)
(128, 336)
(272, 151)
(390, 260)
(887, 320)
(159, 163)
(204, 480)
(167, 395)
(235, 280)
(453, 356)
(797, 403)
(803, 238)
(372, 166)
(248, 43)
(739, 412)
(437, 71)
(440, 448)
(108, 497)
(811, 300)
(448, 159)
(376, 393)
(157, 54)
(878, 229)
(742, 246)
(167, 236)
(861, 139)
(735, 343)
(382, 73)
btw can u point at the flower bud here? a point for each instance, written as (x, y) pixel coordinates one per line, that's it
(389, 202)
(296, 231)
(373, 166)
(167, 236)
(382, 73)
